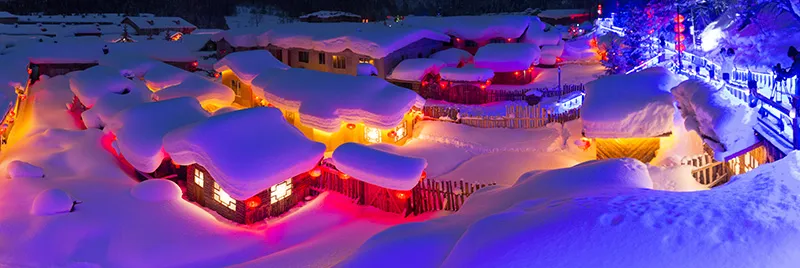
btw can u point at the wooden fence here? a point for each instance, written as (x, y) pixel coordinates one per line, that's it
(431, 195)
(707, 171)
(565, 90)
(516, 116)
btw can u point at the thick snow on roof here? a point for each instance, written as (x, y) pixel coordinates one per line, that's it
(452, 56)
(240, 37)
(174, 23)
(571, 74)
(140, 129)
(45, 53)
(163, 75)
(561, 13)
(205, 91)
(416, 69)
(63, 30)
(370, 39)
(103, 18)
(325, 100)
(5, 14)
(366, 69)
(725, 123)
(466, 74)
(637, 105)
(329, 14)
(474, 27)
(384, 169)
(259, 149)
(248, 64)
(109, 105)
(507, 57)
(542, 38)
(556, 50)
(90, 84)
(195, 41)
(160, 50)
(132, 65)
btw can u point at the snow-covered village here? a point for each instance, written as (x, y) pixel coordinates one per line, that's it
(519, 133)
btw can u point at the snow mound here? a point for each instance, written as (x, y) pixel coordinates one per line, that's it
(109, 105)
(507, 57)
(93, 83)
(677, 178)
(637, 105)
(723, 121)
(466, 74)
(452, 56)
(24, 170)
(416, 69)
(163, 75)
(248, 64)
(208, 93)
(91, 120)
(366, 69)
(555, 50)
(156, 190)
(53, 201)
(475, 28)
(260, 149)
(542, 38)
(384, 169)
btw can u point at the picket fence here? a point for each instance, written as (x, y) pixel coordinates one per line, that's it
(516, 117)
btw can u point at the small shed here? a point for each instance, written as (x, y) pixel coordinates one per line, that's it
(330, 16)
(258, 170)
(628, 115)
(416, 73)
(461, 85)
(512, 63)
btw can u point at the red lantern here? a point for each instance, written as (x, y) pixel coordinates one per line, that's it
(680, 37)
(195, 64)
(488, 82)
(679, 18)
(483, 86)
(443, 84)
(599, 9)
(680, 47)
(509, 40)
(30, 71)
(516, 73)
(403, 195)
(216, 75)
(344, 176)
(253, 202)
(392, 134)
(458, 39)
(315, 173)
(351, 126)
(585, 144)
(679, 28)
(424, 83)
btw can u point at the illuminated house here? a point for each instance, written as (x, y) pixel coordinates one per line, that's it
(155, 26)
(246, 165)
(473, 32)
(239, 69)
(336, 109)
(460, 85)
(49, 59)
(628, 115)
(235, 40)
(414, 73)
(340, 47)
(512, 63)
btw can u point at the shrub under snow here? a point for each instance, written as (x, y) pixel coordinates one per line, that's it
(53, 201)
(156, 190)
(21, 170)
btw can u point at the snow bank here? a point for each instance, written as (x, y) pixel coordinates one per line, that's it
(637, 105)
(208, 93)
(366, 69)
(329, 14)
(23, 170)
(163, 75)
(476, 28)
(240, 37)
(157, 190)
(248, 64)
(93, 83)
(452, 56)
(507, 57)
(725, 123)
(325, 100)
(555, 50)
(260, 149)
(416, 69)
(53, 201)
(466, 74)
(384, 169)
(369, 39)
(140, 129)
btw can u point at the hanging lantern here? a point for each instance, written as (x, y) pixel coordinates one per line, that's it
(403, 195)
(195, 64)
(679, 28)
(583, 143)
(483, 86)
(253, 202)
(315, 173)
(680, 47)
(351, 126)
(443, 84)
(516, 73)
(509, 40)
(392, 134)
(679, 18)
(344, 176)
(680, 37)
(488, 82)
(599, 9)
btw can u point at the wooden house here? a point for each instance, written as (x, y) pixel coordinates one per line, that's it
(239, 69)
(564, 16)
(311, 46)
(236, 40)
(330, 16)
(470, 33)
(512, 63)
(156, 26)
(259, 170)
(414, 73)
(49, 59)
(335, 109)
(627, 123)
(460, 85)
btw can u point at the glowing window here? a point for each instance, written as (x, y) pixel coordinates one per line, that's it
(223, 198)
(400, 132)
(199, 178)
(280, 191)
(373, 135)
(366, 60)
(236, 86)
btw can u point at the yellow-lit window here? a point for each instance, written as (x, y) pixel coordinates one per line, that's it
(223, 198)
(237, 87)
(199, 177)
(373, 135)
(366, 60)
(339, 62)
(280, 191)
(400, 132)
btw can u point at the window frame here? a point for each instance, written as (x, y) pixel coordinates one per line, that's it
(321, 58)
(368, 131)
(218, 195)
(273, 198)
(339, 62)
(302, 56)
(199, 177)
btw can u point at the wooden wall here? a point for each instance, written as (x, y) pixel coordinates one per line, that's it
(643, 149)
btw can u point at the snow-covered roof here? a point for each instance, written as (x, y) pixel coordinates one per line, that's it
(555, 50)
(140, 129)
(637, 105)
(90, 84)
(240, 37)
(475, 27)
(58, 30)
(416, 69)
(160, 50)
(249, 64)
(206, 31)
(329, 14)
(466, 74)
(133, 65)
(369, 39)
(325, 100)
(205, 91)
(507, 57)
(195, 41)
(452, 56)
(109, 105)
(5, 15)
(48, 53)
(245, 151)
(561, 13)
(170, 23)
(725, 123)
(162, 75)
(384, 169)
(542, 38)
